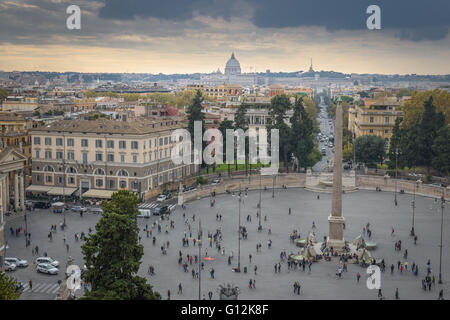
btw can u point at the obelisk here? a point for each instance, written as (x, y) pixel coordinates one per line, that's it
(336, 235)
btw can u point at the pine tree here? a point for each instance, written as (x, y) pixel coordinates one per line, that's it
(301, 134)
(8, 288)
(113, 254)
(278, 108)
(195, 113)
(224, 125)
(441, 149)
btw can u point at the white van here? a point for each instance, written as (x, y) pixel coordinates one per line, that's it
(144, 213)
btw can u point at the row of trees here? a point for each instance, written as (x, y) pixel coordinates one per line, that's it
(422, 141)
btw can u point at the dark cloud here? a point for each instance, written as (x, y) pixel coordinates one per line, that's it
(414, 19)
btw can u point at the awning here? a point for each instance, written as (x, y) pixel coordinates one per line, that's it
(97, 193)
(59, 191)
(36, 188)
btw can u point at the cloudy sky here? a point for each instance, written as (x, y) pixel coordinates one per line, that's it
(184, 36)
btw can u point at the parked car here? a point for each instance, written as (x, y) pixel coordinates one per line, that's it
(10, 266)
(161, 210)
(18, 262)
(169, 195)
(215, 181)
(47, 260)
(144, 213)
(79, 209)
(41, 204)
(46, 268)
(161, 198)
(96, 210)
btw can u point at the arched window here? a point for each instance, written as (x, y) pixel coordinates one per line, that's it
(122, 173)
(99, 172)
(49, 169)
(71, 170)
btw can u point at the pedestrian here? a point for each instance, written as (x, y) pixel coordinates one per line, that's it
(396, 293)
(64, 239)
(275, 267)
(256, 268)
(67, 246)
(254, 283)
(168, 294)
(392, 268)
(250, 257)
(210, 294)
(180, 289)
(250, 284)
(415, 239)
(380, 295)
(289, 211)
(30, 283)
(358, 275)
(392, 233)
(441, 295)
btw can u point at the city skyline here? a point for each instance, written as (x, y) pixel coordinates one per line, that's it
(198, 37)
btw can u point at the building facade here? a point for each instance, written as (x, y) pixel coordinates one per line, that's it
(98, 157)
(20, 103)
(377, 118)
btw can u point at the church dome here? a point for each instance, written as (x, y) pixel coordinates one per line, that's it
(233, 66)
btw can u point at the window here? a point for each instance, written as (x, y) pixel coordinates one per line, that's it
(149, 144)
(60, 180)
(149, 156)
(99, 182)
(85, 157)
(48, 154)
(371, 119)
(99, 157)
(71, 180)
(122, 144)
(123, 184)
(48, 141)
(48, 179)
(99, 172)
(122, 158)
(110, 144)
(38, 154)
(38, 178)
(386, 131)
(134, 145)
(166, 140)
(59, 141)
(134, 158)
(70, 142)
(110, 157)
(371, 131)
(160, 141)
(122, 173)
(386, 119)
(59, 155)
(84, 142)
(112, 185)
(98, 143)
(70, 155)
(49, 169)
(71, 170)
(37, 140)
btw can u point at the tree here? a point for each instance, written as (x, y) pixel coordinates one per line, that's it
(113, 254)
(195, 114)
(224, 125)
(441, 149)
(241, 122)
(301, 134)
(369, 149)
(8, 288)
(3, 94)
(397, 145)
(279, 105)
(430, 123)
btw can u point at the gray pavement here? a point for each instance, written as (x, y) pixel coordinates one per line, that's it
(359, 208)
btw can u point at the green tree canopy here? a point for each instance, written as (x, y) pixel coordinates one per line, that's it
(369, 149)
(8, 287)
(441, 149)
(113, 254)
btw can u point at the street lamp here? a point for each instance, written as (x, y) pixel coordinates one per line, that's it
(260, 188)
(396, 168)
(199, 258)
(413, 204)
(440, 250)
(239, 231)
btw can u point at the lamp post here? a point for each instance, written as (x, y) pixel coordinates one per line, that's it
(239, 232)
(199, 258)
(413, 204)
(260, 187)
(440, 249)
(396, 168)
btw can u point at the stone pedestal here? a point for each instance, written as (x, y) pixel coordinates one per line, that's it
(336, 235)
